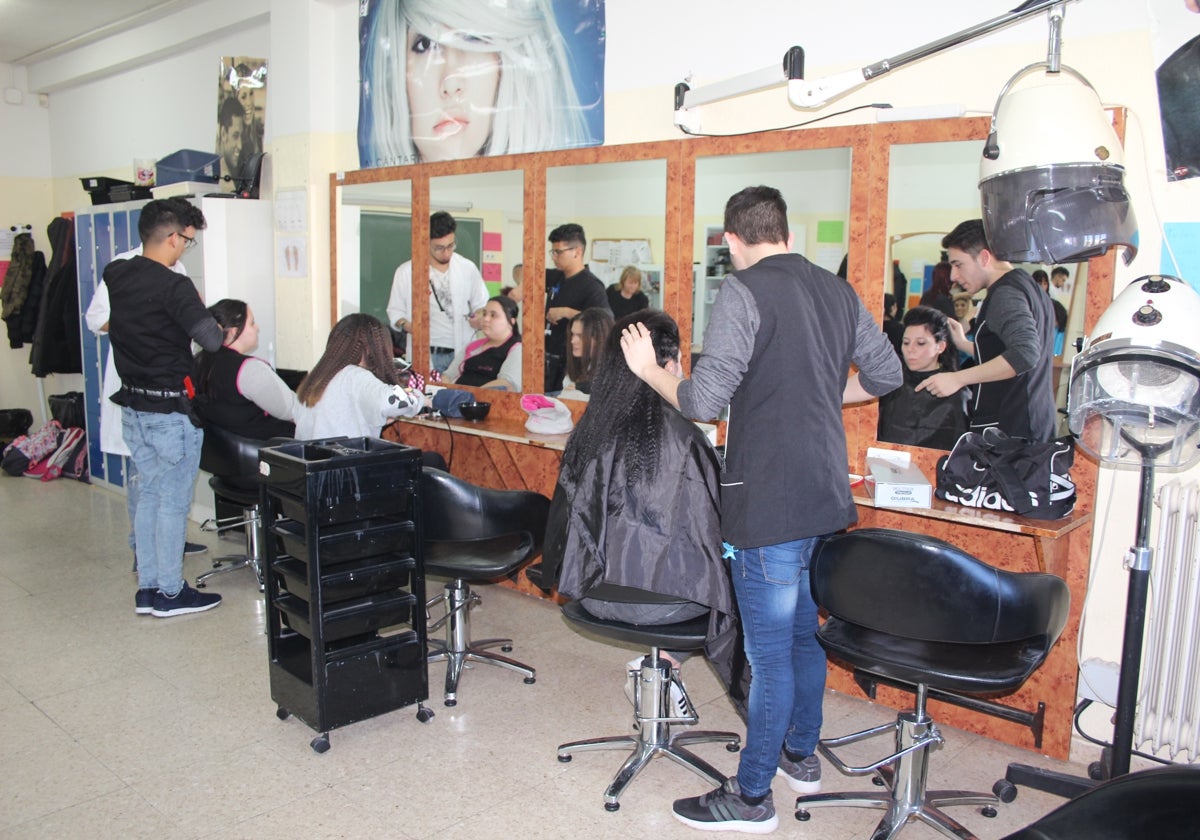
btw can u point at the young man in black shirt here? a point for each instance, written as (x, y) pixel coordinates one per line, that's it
(570, 289)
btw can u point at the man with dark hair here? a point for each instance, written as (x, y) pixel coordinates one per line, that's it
(1061, 286)
(778, 351)
(456, 291)
(1013, 346)
(156, 314)
(230, 124)
(570, 288)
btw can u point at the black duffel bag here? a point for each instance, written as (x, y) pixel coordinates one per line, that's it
(14, 422)
(993, 471)
(67, 409)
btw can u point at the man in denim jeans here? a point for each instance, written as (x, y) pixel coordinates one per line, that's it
(156, 314)
(778, 350)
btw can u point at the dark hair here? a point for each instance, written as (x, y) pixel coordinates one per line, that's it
(757, 215)
(1060, 315)
(1041, 278)
(969, 237)
(623, 411)
(230, 111)
(231, 315)
(1060, 269)
(570, 233)
(164, 216)
(441, 224)
(889, 300)
(510, 312)
(939, 327)
(354, 339)
(597, 325)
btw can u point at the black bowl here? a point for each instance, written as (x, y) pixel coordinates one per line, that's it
(475, 410)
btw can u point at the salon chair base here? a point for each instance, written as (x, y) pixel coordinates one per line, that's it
(903, 775)
(654, 736)
(458, 649)
(250, 522)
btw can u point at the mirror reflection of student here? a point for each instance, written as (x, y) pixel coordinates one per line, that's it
(918, 418)
(456, 293)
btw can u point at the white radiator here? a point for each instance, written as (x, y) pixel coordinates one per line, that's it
(1168, 716)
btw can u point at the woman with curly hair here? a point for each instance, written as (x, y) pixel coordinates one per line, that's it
(354, 389)
(636, 502)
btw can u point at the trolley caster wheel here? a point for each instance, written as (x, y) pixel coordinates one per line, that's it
(506, 648)
(1005, 791)
(565, 759)
(320, 744)
(450, 702)
(530, 680)
(803, 815)
(282, 713)
(612, 806)
(424, 713)
(988, 811)
(732, 747)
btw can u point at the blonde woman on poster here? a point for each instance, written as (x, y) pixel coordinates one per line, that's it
(449, 79)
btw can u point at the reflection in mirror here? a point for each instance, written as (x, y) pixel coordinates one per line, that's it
(931, 188)
(622, 209)
(374, 236)
(816, 186)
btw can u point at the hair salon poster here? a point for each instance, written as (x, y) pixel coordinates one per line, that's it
(452, 79)
(241, 111)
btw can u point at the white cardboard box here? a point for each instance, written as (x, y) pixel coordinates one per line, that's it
(899, 486)
(185, 188)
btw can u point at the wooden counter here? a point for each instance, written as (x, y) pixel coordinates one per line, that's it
(498, 452)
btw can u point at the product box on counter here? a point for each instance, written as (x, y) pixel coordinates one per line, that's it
(898, 485)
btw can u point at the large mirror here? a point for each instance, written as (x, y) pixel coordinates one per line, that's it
(374, 235)
(816, 186)
(622, 208)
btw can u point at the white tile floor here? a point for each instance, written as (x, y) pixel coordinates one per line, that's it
(114, 725)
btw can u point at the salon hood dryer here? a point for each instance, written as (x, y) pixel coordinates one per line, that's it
(1135, 387)
(1054, 194)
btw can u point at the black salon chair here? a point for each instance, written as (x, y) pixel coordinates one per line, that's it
(1159, 803)
(473, 534)
(914, 610)
(233, 462)
(652, 708)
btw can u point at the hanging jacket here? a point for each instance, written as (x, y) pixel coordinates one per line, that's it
(21, 292)
(56, 341)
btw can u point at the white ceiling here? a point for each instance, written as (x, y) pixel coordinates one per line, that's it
(31, 30)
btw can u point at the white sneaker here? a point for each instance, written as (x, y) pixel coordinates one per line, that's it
(677, 705)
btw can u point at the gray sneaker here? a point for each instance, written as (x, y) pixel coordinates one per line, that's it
(724, 809)
(803, 776)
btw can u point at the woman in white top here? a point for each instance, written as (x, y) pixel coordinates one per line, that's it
(353, 390)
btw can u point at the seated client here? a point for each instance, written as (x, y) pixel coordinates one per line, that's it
(636, 502)
(493, 361)
(907, 415)
(238, 392)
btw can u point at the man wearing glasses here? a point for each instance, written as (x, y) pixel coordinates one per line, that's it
(570, 288)
(456, 291)
(156, 315)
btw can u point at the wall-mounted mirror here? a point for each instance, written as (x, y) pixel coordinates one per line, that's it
(374, 236)
(816, 186)
(622, 207)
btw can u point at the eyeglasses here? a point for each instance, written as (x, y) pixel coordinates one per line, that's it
(443, 249)
(189, 241)
(554, 252)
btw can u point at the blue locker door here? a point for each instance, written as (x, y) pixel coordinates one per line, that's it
(93, 360)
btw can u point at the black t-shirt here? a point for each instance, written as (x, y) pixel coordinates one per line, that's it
(622, 306)
(579, 291)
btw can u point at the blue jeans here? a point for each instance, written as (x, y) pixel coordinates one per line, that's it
(166, 453)
(440, 360)
(787, 663)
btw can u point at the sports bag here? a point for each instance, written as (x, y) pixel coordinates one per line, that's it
(993, 471)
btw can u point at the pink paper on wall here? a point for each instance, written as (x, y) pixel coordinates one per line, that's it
(492, 241)
(491, 272)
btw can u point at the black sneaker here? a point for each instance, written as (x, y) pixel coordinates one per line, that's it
(724, 809)
(803, 776)
(143, 602)
(190, 548)
(187, 601)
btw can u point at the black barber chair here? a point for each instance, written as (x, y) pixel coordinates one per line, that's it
(471, 535)
(914, 610)
(1159, 803)
(652, 710)
(233, 462)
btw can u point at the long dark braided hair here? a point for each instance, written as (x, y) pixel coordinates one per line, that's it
(357, 338)
(624, 411)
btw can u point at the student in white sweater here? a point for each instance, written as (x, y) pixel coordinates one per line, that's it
(353, 390)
